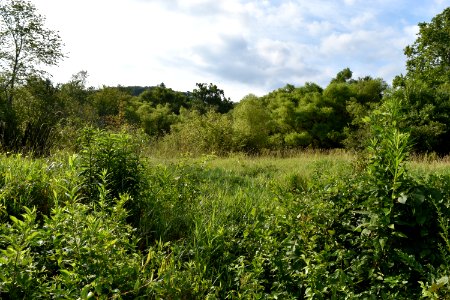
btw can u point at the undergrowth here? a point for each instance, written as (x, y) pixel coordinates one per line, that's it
(106, 223)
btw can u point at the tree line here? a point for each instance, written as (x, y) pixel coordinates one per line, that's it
(37, 115)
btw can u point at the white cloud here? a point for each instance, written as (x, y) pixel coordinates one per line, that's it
(440, 2)
(350, 2)
(362, 19)
(316, 28)
(358, 45)
(244, 46)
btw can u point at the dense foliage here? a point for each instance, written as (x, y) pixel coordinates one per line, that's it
(38, 117)
(287, 118)
(86, 212)
(108, 223)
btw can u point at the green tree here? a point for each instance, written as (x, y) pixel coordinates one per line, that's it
(308, 115)
(156, 121)
(74, 97)
(426, 86)
(200, 133)
(110, 103)
(335, 98)
(206, 97)
(162, 95)
(38, 112)
(366, 95)
(25, 44)
(343, 76)
(251, 124)
(428, 58)
(426, 112)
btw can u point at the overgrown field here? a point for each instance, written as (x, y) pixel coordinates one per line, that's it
(109, 221)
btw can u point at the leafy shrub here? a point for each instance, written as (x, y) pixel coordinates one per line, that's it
(380, 236)
(80, 251)
(296, 139)
(166, 209)
(25, 182)
(251, 125)
(294, 183)
(117, 154)
(206, 233)
(199, 134)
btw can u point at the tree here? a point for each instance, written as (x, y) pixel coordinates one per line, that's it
(74, 96)
(38, 112)
(251, 124)
(366, 95)
(428, 58)
(25, 45)
(198, 133)
(110, 103)
(206, 97)
(156, 121)
(425, 90)
(162, 95)
(343, 76)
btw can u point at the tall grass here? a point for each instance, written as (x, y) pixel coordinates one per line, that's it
(111, 222)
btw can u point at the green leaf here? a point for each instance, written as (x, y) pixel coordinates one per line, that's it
(419, 197)
(137, 285)
(110, 243)
(366, 232)
(32, 235)
(382, 243)
(399, 234)
(442, 281)
(402, 199)
(84, 292)
(66, 273)
(15, 220)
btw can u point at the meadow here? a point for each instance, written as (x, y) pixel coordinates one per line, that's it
(151, 193)
(111, 220)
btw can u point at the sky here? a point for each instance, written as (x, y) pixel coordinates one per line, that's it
(242, 46)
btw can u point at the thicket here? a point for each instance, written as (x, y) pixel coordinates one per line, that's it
(84, 214)
(38, 117)
(107, 223)
(47, 118)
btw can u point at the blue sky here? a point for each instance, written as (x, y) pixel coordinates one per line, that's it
(243, 46)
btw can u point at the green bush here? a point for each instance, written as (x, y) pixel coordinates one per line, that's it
(198, 134)
(116, 153)
(25, 182)
(79, 251)
(114, 226)
(381, 234)
(251, 125)
(167, 207)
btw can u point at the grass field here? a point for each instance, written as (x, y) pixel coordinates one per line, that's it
(109, 223)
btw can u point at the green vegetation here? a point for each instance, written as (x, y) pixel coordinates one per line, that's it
(307, 192)
(109, 222)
